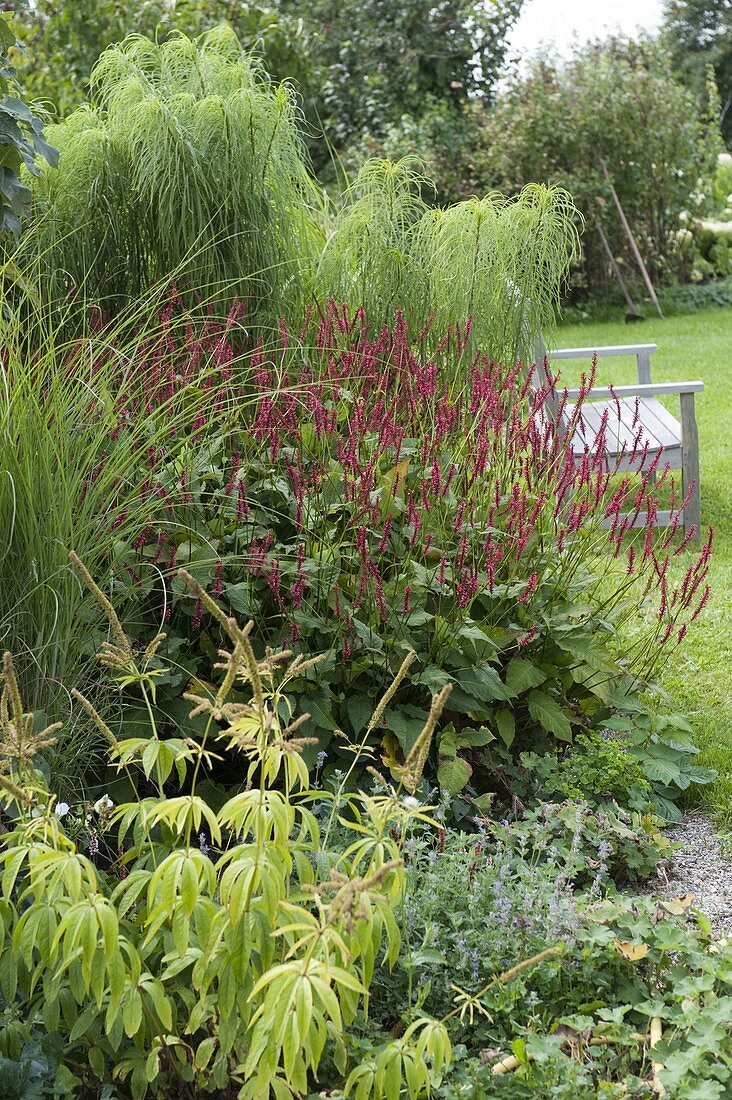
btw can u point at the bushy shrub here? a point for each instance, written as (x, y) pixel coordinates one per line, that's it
(615, 102)
(23, 139)
(640, 761)
(712, 242)
(187, 161)
(447, 139)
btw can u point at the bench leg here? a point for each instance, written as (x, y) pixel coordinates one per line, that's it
(690, 462)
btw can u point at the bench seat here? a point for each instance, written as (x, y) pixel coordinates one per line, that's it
(625, 418)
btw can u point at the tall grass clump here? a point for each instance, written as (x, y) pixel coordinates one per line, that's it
(85, 426)
(187, 160)
(501, 262)
(368, 259)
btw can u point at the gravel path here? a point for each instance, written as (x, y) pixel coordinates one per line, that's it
(699, 868)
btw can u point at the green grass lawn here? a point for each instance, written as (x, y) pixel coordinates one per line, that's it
(699, 675)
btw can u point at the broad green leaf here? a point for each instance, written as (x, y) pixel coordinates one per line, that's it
(521, 675)
(453, 774)
(506, 726)
(547, 712)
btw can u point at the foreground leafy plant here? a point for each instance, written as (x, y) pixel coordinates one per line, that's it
(208, 951)
(241, 949)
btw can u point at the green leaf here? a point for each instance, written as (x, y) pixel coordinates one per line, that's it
(359, 708)
(521, 675)
(547, 712)
(132, 1013)
(662, 771)
(483, 683)
(474, 738)
(241, 598)
(407, 722)
(506, 725)
(370, 639)
(432, 677)
(453, 773)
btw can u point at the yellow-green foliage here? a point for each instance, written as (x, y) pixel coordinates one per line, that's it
(202, 964)
(500, 262)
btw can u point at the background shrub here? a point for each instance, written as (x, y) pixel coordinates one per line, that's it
(616, 102)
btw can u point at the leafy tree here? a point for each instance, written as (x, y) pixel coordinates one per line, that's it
(699, 33)
(359, 68)
(21, 137)
(379, 61)
(68, 36)
(65, 37)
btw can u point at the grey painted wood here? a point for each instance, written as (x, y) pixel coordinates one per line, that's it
(631, 407)
(622, 429)
(663, 518)
(690, 468)
(655, 389)
(601, 353)
(643, 359)
(658, 420)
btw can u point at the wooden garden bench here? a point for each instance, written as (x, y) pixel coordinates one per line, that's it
(630, 408)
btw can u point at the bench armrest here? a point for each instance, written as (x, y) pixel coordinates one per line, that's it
(589, 353)
(654, 389)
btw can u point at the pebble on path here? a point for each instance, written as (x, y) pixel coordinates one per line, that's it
(698, 868)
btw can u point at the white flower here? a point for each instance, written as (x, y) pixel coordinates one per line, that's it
(103, 804)
(411, 802)
(62, 808)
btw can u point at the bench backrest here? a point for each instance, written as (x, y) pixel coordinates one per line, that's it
(642, 353)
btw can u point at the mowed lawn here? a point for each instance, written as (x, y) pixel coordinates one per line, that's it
(698, 676)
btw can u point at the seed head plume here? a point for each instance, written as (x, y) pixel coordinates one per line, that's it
(391, 690)
(415, 762)
(118, 657)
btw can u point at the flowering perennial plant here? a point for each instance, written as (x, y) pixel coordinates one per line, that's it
(389, 492)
